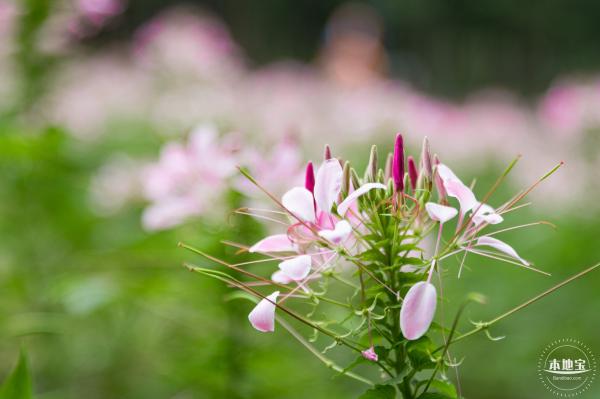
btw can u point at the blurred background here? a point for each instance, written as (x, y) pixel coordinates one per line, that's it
(121, 123)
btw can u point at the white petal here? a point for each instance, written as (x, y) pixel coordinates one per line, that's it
(446, 173)
(274, 243)
(501, 246)
(262, 316)
(486, 214)
(299, 201)
(440, 213)
(280, 277)
(456, 188)
(328, 184)
(464, 195)
(339, 234)
(347, 203)
(296, 268)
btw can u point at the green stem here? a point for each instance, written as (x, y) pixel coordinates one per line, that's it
(328, 362)
(484, 325)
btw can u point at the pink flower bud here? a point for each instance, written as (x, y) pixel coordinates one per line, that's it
(398, 163)
(412, 172)
(370, 354)
(327, 154)
(309, 179)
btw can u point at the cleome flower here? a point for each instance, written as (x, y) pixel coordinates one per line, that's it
(356, 252)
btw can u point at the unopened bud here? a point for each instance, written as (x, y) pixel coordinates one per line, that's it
(412, 172)
(309, 177)
(398, 163)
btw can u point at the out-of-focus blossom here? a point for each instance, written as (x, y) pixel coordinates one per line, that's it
(188, 179)
(276, 170)
(181, 44)
(117, 183)
(88, 17)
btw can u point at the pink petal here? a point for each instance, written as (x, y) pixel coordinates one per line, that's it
(280, 277)
(339, 234)
(446, 173)
(365, 188)
(456, 188)
(262, 316)
(501, 246)
(440, 213)
(464, 195)
(486, 214)
(328, 184)
(299, 201)
(417, 310)
(370, 354)
(274, 243)
(296, 268)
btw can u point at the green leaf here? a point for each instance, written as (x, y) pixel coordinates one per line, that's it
(434, 395)
(18, 384)
(445, 388)
(420, 353)
(379, 392)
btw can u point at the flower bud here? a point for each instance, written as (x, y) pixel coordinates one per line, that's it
(439, 184)
(354, 179)
(398, 163)
(412, 172)
(426, 167)
(371, 172)
(346, 179)
(327, 152)
(309, 178)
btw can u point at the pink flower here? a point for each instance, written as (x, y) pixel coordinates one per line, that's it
(370, 354)
(186, 179)
(418, 309)
(262, 317)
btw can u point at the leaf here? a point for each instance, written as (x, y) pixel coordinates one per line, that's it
(419, 353)
(18, 384)
(379, 392)
(434, 395)
(445, 388)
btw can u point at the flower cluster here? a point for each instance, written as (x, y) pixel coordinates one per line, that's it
(189, 179)
(361, 245)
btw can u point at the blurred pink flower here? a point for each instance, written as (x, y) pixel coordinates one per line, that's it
(98, 11)
(187, 179)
